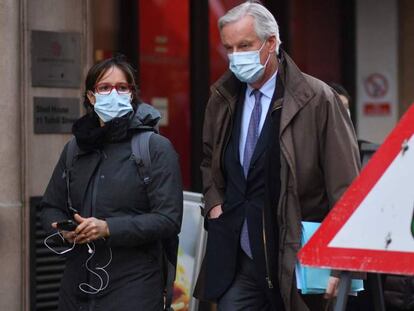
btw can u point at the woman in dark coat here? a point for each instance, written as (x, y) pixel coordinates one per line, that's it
(116, 262)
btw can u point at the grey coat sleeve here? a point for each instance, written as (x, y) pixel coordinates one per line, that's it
(53, 203)
(165, 195)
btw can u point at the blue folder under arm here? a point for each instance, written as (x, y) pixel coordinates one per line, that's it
(314, 280)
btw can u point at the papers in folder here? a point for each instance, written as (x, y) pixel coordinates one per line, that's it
(314, 280)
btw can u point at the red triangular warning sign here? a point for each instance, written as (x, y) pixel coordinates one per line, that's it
(371, 228)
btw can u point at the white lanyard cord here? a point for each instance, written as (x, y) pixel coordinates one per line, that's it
(91, 250)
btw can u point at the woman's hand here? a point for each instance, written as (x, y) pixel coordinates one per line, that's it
(90, 229)
(67, 235)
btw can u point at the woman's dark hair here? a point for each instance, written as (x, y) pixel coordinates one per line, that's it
(99, 69)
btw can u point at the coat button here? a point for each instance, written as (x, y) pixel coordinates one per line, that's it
(102, 176)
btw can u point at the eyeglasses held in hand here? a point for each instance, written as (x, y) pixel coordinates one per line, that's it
(106, 88)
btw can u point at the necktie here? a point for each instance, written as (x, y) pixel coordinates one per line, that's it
(251, 140)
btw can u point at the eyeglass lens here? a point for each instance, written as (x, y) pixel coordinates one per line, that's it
(106, 88)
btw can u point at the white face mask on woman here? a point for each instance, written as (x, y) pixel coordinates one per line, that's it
(113, 105)
(246, 66)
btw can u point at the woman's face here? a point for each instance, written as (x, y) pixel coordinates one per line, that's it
(112, 76)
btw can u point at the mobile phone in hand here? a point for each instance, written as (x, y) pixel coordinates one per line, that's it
(67, 225)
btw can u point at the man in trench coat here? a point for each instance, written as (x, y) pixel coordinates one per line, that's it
(278, 148)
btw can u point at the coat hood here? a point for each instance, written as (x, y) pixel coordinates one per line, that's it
(146, 118)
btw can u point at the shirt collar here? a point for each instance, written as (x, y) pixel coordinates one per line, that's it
(267, 89)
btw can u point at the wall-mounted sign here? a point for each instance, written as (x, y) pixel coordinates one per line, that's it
(376, 85)
(56, 59)
(161, 104)
(376, 69)
(54, 115)
(376, 96)
(377, 109)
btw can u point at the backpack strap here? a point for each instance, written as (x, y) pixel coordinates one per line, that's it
(142, 157)
(141, 154)
(71, 151)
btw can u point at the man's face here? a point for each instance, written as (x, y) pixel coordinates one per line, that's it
(241, 36)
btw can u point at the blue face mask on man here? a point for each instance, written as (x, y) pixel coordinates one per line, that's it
(246, 66)
(113, 105)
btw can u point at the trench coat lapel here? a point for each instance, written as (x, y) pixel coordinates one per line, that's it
(228, 87)
(297, 92)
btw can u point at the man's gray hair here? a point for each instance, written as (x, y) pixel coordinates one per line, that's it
(265, 23)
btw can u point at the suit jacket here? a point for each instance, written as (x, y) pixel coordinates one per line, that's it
(244, 198)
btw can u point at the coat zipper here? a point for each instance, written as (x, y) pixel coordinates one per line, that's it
(96, 183)
(268, 278)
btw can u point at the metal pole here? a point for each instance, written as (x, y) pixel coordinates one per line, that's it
(344, 287)
(375, 284)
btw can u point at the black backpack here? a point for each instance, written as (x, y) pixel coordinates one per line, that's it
(141, 153)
